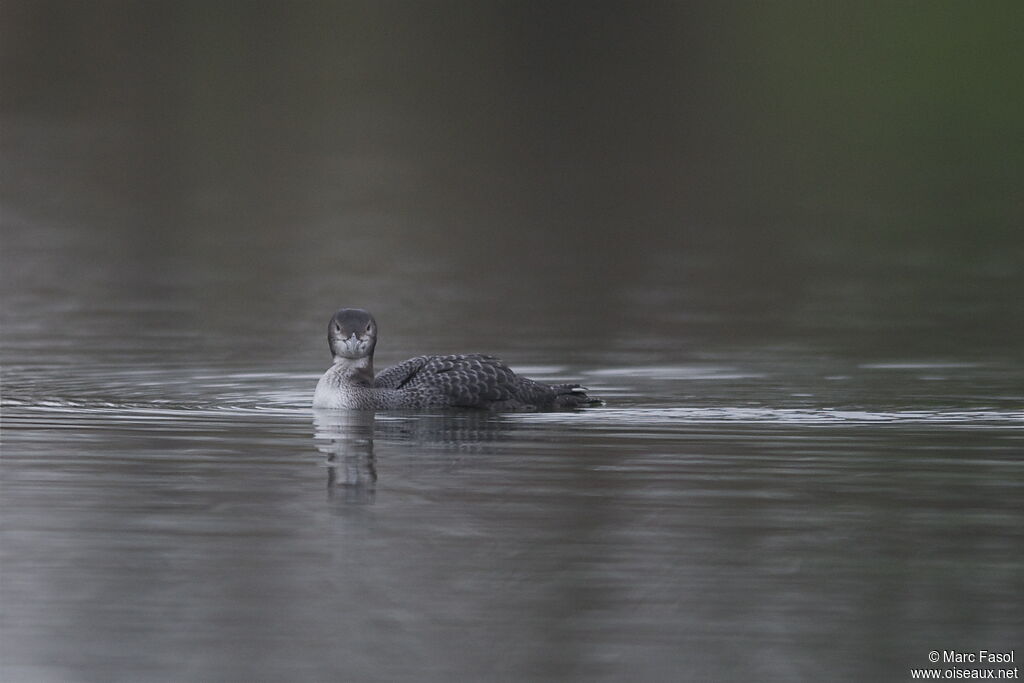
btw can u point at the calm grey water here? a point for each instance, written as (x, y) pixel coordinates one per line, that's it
(799, 297)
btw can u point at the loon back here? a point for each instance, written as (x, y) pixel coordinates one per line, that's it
(476, 381)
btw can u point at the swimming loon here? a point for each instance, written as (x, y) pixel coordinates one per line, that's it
(456, 381)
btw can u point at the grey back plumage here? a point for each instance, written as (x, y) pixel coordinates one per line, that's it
(474, 381)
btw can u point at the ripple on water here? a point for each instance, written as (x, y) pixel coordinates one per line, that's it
(780, 416)
(676, 372)
(918, 366)
(182, 393)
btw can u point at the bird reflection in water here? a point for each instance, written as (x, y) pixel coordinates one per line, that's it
(346, 437)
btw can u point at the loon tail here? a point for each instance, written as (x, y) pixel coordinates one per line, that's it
(574, 396)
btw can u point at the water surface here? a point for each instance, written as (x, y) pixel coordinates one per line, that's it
(200, 524)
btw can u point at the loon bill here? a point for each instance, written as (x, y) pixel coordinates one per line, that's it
(456, 381)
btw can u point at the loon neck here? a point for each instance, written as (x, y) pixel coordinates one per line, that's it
(356, 370)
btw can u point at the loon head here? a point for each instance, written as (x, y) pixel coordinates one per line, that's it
(352, 333)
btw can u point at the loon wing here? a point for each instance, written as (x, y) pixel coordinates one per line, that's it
(399, 375)
(465, 380)
(477, 381)
(470, 380)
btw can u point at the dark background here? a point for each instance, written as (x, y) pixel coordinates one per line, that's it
(695, 172)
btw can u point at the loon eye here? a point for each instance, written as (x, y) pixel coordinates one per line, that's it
(368, 327)
(336, 327)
